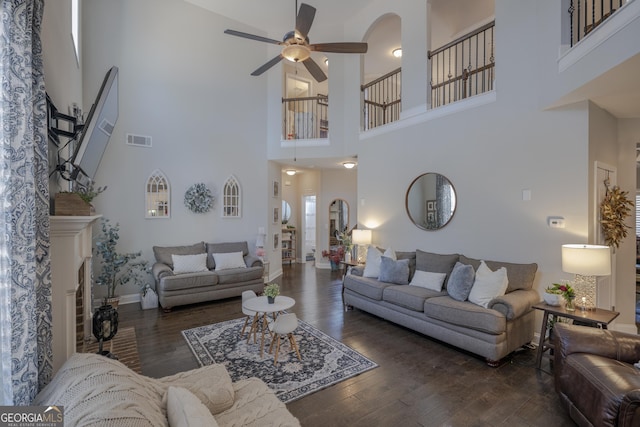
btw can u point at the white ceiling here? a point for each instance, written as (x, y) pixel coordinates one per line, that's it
(617, 91)
(276, 17)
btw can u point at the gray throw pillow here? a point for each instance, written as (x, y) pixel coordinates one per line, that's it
(460, 281)
(392, 271)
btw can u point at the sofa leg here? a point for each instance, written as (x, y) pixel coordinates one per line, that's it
(167, 309)
(493, 363)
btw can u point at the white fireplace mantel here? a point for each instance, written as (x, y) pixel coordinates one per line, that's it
(71, 246)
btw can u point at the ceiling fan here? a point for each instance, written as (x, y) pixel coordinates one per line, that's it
(296, 47)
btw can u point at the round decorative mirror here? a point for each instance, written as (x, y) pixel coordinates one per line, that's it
(431, 201)
(338, 220)
(286, 212)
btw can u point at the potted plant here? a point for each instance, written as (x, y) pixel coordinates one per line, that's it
(77, 202)
(554, 294)
(117, 268)
(335, 256)
(272, 290)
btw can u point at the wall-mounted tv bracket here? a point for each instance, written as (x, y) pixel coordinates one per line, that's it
(71, 131)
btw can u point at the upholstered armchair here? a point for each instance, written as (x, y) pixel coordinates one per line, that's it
(595, 375)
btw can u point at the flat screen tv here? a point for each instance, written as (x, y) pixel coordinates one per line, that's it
(96, 132)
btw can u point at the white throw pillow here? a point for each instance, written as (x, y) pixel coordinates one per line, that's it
(226, 261)
(488, 285)
(189, 263)
(184, 409)
(429, 280)
(374, 259)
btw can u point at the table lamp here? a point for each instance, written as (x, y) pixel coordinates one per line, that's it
(586, 262)
(360, 238)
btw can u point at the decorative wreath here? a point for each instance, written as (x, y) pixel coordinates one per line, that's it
(615, 207)
(198, 198)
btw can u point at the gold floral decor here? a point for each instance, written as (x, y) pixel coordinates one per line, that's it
(614, 208)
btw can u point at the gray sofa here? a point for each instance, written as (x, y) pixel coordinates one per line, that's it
(493, 332)
(175, 289)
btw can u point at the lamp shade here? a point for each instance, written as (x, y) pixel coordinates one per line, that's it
(361, 237)
(586, 260)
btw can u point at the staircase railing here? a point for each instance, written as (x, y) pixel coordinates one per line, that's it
(463, 67)
(382, 99)
(305, 117)
(586, 15)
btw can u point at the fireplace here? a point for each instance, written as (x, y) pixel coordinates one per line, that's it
(71, 250)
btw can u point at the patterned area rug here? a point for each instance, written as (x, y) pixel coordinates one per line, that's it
(325, 361)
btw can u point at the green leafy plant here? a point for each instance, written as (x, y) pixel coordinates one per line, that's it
(272, 290)
(87, 193)
(563, 289)
(345, 240)
(118, 269)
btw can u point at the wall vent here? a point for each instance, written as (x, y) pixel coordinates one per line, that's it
(138, 140)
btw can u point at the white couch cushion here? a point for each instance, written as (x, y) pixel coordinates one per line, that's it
(184, 409)
(211, 384)
(374, 260)
(229, 260)
(429, 280)
(488, 285)
(189, 263)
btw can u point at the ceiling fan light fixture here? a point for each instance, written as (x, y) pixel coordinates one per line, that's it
(397, 53)
(290, 172)
(349, 165)
(296, 52)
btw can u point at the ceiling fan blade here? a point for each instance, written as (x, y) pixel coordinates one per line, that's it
(305, 19)
(345, 47)
(268, 65)
(315, 70)
(252, 36)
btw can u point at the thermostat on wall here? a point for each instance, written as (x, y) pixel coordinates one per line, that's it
(555, 222)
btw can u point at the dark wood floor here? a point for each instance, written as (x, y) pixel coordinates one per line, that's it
(419, 381)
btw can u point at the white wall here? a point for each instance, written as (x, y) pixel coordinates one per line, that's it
(209, 119)
(192, 94)
(494, 152)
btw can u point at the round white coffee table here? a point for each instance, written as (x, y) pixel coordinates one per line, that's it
(262, 309)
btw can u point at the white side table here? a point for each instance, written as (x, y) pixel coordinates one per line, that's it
(262, 308)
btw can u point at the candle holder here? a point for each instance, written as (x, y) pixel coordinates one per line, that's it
(583, 304)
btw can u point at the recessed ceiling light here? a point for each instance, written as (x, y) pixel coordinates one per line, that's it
(397, 52)
(349, 165)
(290, 172)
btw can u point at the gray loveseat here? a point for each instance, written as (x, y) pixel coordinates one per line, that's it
(506, 324)
(208, 283)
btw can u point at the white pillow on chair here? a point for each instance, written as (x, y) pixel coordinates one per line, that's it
(183, 264)
(374, 260)
(229, 260)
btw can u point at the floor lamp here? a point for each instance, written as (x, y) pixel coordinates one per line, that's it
(360, 238)
(586, 262)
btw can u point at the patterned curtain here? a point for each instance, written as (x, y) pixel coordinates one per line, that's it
(25, 271)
